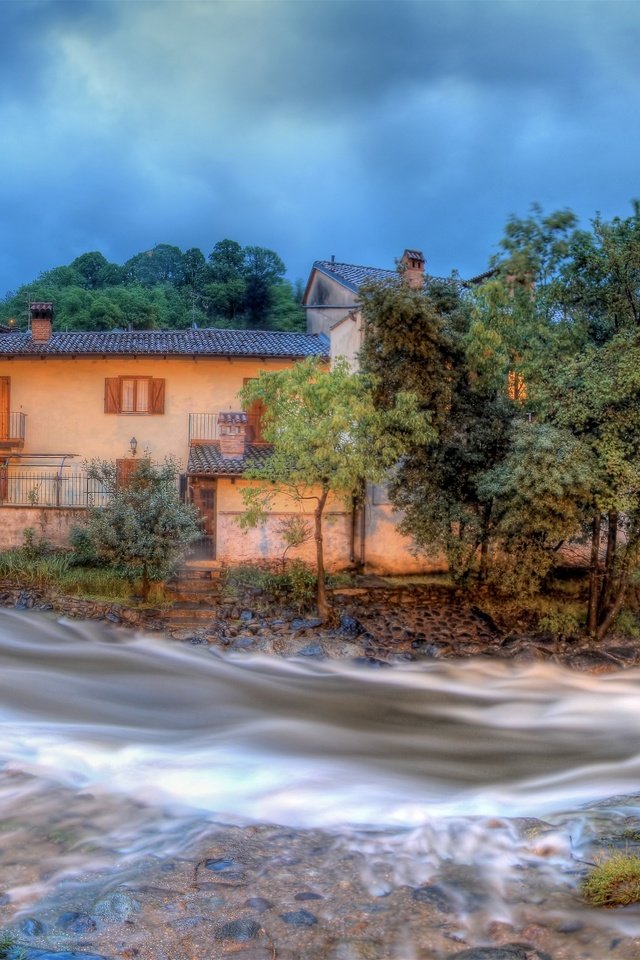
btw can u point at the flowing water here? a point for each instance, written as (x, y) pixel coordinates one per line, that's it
(119, 749)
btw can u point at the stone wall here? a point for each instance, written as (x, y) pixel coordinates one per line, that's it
(52, 523)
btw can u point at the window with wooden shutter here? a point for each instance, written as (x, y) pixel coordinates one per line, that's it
(125, 469)
(254, 418)
(134, 395)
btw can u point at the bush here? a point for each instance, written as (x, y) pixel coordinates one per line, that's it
(614, 882)
(294, 588)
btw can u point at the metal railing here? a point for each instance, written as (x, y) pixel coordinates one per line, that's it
(203, 427)
(13, 426)
(28, 489)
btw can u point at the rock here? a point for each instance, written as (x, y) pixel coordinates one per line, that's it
(514, 951)
(259, 904)
(299, 624)
(187, 923)
(370, 662)
(4, 899)
(308, 895)
(221, 865)
(350, 626)
(246, 615)
(116, 907)
(20, 953)
(299, 918)
(113, 617)
(433, 895)
(32, 927)
(239, 930)
(75, 922)
(356, 950)
(311, 650)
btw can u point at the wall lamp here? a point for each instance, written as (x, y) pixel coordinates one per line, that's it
(133, 445)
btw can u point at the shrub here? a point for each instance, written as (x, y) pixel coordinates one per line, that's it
(614, 882)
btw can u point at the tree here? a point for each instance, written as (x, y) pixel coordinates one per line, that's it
(145, 529)
(574, 329)
(327, 438)
(418, 339)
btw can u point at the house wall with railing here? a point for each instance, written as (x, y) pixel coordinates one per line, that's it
(66, 402)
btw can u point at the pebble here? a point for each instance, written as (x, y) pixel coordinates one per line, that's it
(76, 922)
(259, 904)
(515, 951)
(433, 895)
(116, 907)
(20, 953)
(31, 927)
(308, 895)
(299, 918)
(239, 930)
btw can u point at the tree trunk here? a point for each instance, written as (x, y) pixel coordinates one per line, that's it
(321, 594)
(615, 607)
(484, 544)
(594, 576)
(609, 564)
(146, 585)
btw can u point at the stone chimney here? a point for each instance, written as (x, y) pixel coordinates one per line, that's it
(41, 315)
(411, 268)
(232, 430)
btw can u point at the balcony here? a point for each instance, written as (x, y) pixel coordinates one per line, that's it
(12, 431)
(203, 428)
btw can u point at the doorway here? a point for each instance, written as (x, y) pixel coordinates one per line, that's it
(203, 497)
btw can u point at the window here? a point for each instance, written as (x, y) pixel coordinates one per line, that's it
(133, 395)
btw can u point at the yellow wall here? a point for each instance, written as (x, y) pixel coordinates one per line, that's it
(346, 339)
(265, 542)
(64, 402)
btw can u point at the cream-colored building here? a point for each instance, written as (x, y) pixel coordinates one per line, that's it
(66, 398)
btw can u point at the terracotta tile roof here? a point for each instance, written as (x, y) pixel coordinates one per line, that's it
(353, 276)
(206, 459)
(173, 343)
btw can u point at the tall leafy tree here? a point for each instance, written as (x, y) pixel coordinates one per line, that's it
(328, 437)
(418, 339)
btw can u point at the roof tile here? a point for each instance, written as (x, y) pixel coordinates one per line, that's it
(207, 459)
(177, 343)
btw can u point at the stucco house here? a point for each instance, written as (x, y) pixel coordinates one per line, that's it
(66, 398)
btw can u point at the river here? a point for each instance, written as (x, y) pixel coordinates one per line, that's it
(485, 786)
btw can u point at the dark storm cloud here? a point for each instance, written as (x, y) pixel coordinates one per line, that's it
(353, 128)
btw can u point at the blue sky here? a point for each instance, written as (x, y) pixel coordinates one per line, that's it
(313, 127)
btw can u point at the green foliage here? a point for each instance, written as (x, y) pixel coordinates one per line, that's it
(165, 288)
(7, 944)
(419, 339)
(33, 569)
(615, 882)
(561, 623)
(328, 437)
(145, 529)
(294, 587)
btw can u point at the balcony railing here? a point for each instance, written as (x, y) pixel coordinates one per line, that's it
(203, 427)
(30, 489)
(12, 429)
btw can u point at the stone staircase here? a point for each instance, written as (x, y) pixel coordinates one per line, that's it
(196, 592)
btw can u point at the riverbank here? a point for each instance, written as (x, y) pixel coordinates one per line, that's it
(374, 621)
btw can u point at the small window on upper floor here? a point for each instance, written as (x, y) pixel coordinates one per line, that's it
(134, 395)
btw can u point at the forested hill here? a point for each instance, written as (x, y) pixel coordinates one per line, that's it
(235, 286)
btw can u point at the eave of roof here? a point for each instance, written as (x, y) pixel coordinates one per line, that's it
(206, 460)
(211, 342)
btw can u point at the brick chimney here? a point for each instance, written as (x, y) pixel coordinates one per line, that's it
(41, 315)
(232, 429)
(411, 268)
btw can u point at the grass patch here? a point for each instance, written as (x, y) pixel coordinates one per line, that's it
(613, 883)
(7, 943)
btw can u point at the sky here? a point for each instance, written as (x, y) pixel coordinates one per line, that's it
(311, 127)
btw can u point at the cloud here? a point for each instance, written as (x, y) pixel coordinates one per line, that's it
(313, 128)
